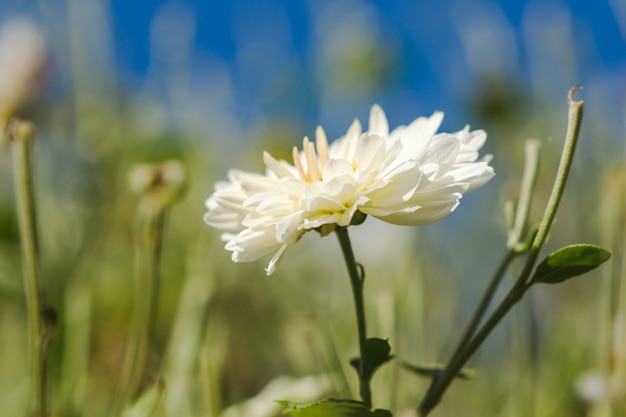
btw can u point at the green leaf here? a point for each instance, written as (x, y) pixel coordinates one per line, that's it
(432, 370)
(332, 408)
(569, 262)
(147, 404)
(358, 218)
(326, 229)
(376, 353)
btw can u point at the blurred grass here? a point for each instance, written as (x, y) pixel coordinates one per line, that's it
(224, 330)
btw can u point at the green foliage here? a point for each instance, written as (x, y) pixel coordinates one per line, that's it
(569, 262)
(148, 402)
(377, 352)
(332, 408)
(432, 369)
(525, 245)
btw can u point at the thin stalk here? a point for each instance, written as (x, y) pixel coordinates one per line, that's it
(485, 301)
(150, 227)
(21, 135)
(160, 186)
(574, 120)
(531, 164)
(356, 281)
(514, 245)
(441, 382)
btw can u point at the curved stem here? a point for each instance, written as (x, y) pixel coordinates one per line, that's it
(21, 136)
(574, 120)
(356, 281)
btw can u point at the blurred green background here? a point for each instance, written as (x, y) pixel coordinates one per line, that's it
(213, 84)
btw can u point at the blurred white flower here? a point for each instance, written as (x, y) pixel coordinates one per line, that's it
(264, 404)
(22, 57)
(409, 176)
(596, 387)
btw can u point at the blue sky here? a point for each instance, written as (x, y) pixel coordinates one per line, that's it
(428, 42)
(215, 21)
(297, 58)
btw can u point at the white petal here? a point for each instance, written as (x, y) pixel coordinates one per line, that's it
(252, 244)
(476, 174)
(278, 168)
(337, 168)
(345, 147)
(443, 150)
(416, 137)
(322, 203)
(223, 220)
(275, 261)
(287, 231)
(370, 151)
(378, 124)
(421, 216)
(397, 189)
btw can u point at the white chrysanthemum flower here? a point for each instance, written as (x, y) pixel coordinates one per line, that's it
(409, 176)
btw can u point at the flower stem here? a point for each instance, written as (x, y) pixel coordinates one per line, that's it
(21, 135)
(441, 381)
(160, 191)
(485, 301)
(574, 120)
(531, 164)
(149, 242)
(356, 280)
(515, 247)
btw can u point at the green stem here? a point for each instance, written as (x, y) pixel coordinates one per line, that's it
(21, 135)
(356, 281)
(531, 164)
(485, 301)
(515, 247)
(574, 120)
(441, 382)
(150, 227)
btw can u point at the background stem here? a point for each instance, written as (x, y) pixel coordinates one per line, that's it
(149, 240)
(21, 136)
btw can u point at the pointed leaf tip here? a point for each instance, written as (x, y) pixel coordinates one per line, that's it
(434, 369)
(377, 352)
(568, 262)
(147, 404)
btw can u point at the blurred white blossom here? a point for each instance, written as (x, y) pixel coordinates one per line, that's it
(596, 387)
(409, 176)
(264, 404)
(22, 57)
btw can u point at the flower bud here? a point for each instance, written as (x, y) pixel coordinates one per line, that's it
(22, 58)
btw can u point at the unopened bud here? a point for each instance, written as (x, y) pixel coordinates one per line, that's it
(164, 182)
(22, 58)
